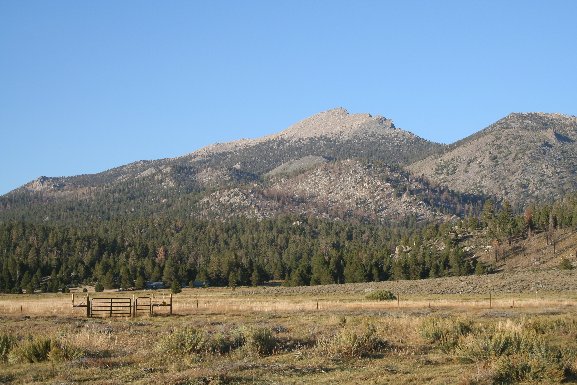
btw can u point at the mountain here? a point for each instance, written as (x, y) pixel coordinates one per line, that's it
(335, 198)
(522, 158)
(334, 149)
(333, 165)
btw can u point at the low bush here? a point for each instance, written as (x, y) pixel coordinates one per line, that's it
(350, 343)
(40, 349)
(185, 341)
(261, 341)
(225, 342)
(445, 332)
(380, 295)
(517, 353)
(31, 350)
(189, 341)
(485, 346)
(517, 368)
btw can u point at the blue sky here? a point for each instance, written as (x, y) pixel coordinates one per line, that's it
(89, 85)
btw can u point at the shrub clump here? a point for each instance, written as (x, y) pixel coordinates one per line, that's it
(349, 343)
(192, 341)
(380, 295)
(261, 341)
(446, 332)
(516, 368)
(226, 342)
(516, 353)
(42, 349)
(186, 341)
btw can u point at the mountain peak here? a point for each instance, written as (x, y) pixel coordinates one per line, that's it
(536, 119)
(337, 122)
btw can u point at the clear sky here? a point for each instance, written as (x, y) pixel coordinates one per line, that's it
(90, 85)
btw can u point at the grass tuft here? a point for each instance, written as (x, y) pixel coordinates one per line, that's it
(7, 342)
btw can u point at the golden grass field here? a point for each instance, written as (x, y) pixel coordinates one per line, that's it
(286, 336)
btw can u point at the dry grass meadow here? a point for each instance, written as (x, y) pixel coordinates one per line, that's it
(274, 335)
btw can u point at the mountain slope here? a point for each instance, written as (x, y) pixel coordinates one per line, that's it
(148, 187)
(343, 189)
(523, 157)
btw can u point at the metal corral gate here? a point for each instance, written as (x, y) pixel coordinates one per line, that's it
(121, 306)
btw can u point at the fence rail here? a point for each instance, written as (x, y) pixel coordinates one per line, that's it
(121, 306)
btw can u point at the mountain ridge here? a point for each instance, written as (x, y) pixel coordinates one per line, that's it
(520, 158)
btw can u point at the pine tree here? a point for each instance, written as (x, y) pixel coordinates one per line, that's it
(175, 287)
(320, 273)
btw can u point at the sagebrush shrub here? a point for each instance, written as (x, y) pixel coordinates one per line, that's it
(351, 343)
(517, 368)
(190, 341)
(38, 349)
(445, 332)
(186, 341)
(487, 345)
(222, 343)
(517, 353)
(261, 341)
(381, 295)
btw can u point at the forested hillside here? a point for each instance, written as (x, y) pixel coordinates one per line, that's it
(296, 249)
(299, 250)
